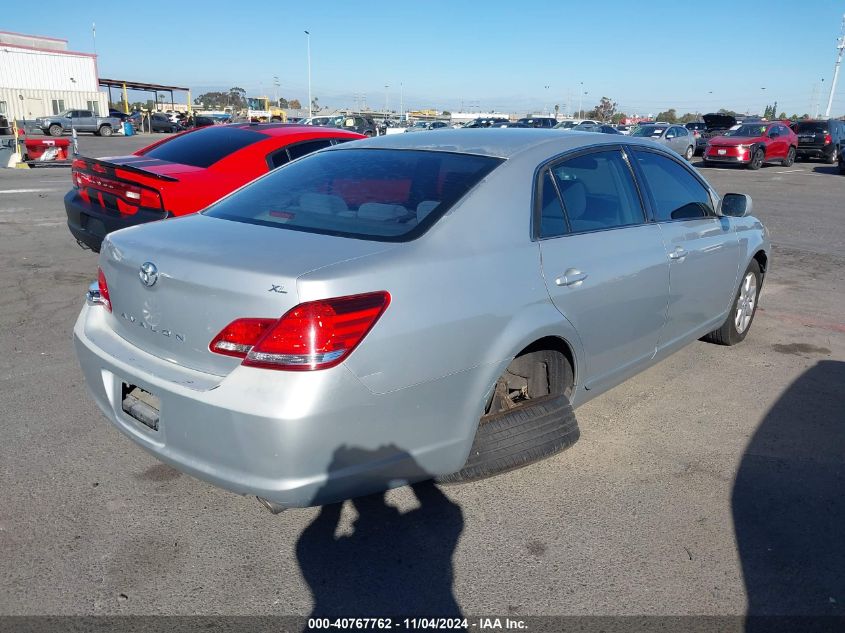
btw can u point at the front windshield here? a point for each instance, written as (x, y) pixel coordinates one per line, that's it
(648, 131)
(748, 130)
(420, 124)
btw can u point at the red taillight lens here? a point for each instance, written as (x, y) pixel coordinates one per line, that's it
(103, 287)
(239, 336)
(827, 139)
(313, 335)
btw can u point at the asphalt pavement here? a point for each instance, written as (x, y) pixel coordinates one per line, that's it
(710, 484)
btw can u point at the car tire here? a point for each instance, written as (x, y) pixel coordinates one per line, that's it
(744, 307)
(757, 158)
(689, 153)
(105, 130)
(830, 160)
(790, 158)
(528, 432)
(55, 130)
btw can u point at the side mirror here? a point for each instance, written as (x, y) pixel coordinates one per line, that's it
(736, 205)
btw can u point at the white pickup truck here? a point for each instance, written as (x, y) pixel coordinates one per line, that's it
(79, 120)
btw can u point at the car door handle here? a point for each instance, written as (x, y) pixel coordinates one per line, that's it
(572, 277)
(678, 253)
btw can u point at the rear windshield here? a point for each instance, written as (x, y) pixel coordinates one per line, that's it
(811, 126)
(203, 148)
(376, 194)
(648, 131)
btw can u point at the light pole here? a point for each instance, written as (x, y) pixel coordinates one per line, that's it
(276, 84)
(385, 100)
(401, 100)
(308, 40)
(580, 100)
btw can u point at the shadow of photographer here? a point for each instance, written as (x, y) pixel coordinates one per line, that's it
(393, 564)
(789, 505)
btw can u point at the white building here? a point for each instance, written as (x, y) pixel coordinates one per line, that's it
(39, 76)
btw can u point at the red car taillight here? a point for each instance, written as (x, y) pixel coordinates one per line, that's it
(827, 139)
(313, 335)
(103, 287)
(128, 195)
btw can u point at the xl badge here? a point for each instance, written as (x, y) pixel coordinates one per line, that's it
(148, 274)
(279, 289)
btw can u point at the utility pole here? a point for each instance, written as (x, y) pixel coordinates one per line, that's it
(840, 47)
(385, 99)
(401, 100)
(580, 99)
(308, 38)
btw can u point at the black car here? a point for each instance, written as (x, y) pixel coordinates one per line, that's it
(482, 122)
(160, 123)
(538, 121)
(842, 161)
(715, 124)
(820, 139)
(363, 124)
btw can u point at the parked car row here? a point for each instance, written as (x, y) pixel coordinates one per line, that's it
(263, 344)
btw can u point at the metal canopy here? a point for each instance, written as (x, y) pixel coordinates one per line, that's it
(145, 87)
(137, 85)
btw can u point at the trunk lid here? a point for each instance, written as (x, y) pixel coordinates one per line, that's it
(123, 185)
(210, 271)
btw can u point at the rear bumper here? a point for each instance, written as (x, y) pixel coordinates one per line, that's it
(816, 151)
(295, 438)
(91, 223)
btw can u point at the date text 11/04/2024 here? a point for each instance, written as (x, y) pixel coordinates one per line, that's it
(435, 624)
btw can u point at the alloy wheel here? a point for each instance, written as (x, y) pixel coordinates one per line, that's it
(746, 302)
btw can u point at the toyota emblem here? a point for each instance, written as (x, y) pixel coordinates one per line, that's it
(148, 274)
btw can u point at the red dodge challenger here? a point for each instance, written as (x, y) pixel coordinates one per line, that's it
(182, 174)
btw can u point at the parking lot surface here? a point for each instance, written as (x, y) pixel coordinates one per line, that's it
(709, 484)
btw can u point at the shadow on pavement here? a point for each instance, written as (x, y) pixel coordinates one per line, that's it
(393, 564)
(789, 504)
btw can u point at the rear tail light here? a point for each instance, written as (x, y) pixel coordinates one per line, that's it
(128, 195)
(310, 336)
(827, 139)
(103, 287)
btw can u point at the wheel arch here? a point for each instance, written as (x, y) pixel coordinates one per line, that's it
(540, 327)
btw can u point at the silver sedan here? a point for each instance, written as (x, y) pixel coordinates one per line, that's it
(676, 137)
(410, 307)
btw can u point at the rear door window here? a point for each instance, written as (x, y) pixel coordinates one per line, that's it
(598, 192)
(206, 146)
(377, 194)
(675, 193)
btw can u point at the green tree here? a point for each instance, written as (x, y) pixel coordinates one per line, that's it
(283, 103)
(295, 104)
(446, 113)
(689, 117)
(315, 106)
(670, 116)
(605, 109)
(618, 117)
(237, 97)
(782, 116)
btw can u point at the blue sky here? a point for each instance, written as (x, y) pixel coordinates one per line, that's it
(647, 56)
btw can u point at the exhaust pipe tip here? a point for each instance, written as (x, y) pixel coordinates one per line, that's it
(272, 506)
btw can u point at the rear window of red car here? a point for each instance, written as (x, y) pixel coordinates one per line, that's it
(204, 147)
